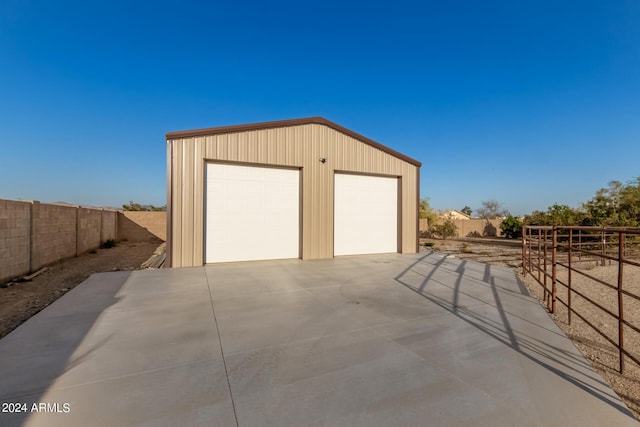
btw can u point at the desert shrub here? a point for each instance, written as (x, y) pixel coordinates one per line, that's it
(429, 244)
(511, 227)
(446, 229)
(473, 234)
(109, 243)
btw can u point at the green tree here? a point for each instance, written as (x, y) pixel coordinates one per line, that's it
(563, 215)
(536, 218)
(427, 212)
(629, 204)
(602, 209)
(556, 215)
(511, 227)
(466, 210)
(618, 205)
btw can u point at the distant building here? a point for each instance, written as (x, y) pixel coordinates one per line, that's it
(454, 214)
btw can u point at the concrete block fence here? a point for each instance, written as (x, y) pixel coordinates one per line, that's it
(34, 234)
(471, 227)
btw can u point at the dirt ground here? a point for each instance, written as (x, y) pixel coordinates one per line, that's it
(602, 354)
(20, 301)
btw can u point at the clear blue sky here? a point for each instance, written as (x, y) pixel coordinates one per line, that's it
(529, 103)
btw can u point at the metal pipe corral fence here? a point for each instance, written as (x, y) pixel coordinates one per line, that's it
(562, 257)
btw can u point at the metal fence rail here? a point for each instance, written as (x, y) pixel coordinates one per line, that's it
(552, 255)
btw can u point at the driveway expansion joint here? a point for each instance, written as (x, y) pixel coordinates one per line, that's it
(224, 362)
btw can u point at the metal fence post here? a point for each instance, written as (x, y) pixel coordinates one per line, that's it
(569, 277)
(620, 305)
(547, 295)
(604, 247)
(524, 251)
(579, 245)
(530, 248)
(554, 260)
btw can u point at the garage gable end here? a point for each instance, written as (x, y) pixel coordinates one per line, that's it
(286, 123)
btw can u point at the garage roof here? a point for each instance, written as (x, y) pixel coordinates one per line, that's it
(285, 123)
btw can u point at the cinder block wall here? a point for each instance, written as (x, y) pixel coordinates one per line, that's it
(34, 234)
(15, 220)
(468, 227)
(109, 225)
(53, 233)
(89, 229)
(138, 226)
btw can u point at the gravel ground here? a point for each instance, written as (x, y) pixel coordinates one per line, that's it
(602, 354)
(20, 301)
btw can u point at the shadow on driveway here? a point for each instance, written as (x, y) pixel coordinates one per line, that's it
(39, 351)
(444, 271)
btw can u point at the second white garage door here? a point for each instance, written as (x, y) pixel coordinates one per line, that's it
(252, 213)
(366, 214)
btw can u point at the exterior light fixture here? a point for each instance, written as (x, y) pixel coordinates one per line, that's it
(323, 160)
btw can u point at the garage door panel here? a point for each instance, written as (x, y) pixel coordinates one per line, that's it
(252, 213)
(366, 214)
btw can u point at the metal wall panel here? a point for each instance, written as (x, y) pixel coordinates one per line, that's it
(297, 146)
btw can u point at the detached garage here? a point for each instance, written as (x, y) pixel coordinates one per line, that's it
(304, 188)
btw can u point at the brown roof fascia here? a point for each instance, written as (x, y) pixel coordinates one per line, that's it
(285, 123)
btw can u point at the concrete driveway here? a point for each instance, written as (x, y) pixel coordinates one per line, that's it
(356, 341)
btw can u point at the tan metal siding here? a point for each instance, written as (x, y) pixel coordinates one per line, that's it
(187, 201)
(296, 146)
(169, 201)
(198, 201)
(177, 241)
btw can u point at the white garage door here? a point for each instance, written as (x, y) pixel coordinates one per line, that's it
(252, 213)
(366, 215)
